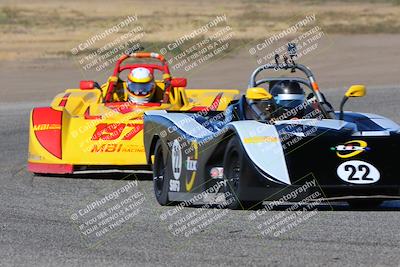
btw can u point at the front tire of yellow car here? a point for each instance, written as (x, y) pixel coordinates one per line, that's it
(160, 175)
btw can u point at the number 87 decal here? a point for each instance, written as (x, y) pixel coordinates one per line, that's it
(112, 131)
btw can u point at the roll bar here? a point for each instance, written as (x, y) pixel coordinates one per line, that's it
(289, 64)
(118, 68)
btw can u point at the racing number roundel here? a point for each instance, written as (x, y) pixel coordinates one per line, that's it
(358, 172)
(176, 159)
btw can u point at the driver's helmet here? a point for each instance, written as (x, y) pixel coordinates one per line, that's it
(289, 98)
(140, 85)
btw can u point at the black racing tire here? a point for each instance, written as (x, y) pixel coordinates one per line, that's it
(364, 204)
(233, 163)
(160, 175)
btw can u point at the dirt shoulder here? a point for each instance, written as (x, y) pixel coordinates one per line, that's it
(51, 28)
(367, 59)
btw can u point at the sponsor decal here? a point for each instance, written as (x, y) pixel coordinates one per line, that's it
(174, 185)
(217, 173)
(350, 148)
(45, 127)
(110, 148)
(260, 139)
(191, 167)
(176, 159)
(358, 172)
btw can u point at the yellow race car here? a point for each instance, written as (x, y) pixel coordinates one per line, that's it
(95, 129)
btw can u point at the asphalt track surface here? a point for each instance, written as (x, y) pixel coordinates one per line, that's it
(37, 229)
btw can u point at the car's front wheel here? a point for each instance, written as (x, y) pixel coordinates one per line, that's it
(233, 178)
(160, 175)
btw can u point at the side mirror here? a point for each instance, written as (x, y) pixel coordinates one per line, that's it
(258, 93)
(178, 82)
(353, 91)
(88, 85)
(356, 91)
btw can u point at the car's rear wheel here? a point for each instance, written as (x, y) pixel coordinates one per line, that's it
(160, 175)
(233, 174)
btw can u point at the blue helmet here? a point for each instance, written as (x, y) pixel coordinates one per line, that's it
(288, 94)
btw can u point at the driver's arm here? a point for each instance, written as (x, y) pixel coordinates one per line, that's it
(120, 94)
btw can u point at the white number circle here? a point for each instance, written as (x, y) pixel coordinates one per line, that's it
(176, 159)
(358, 172)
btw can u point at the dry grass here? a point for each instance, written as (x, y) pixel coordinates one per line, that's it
(50, 28)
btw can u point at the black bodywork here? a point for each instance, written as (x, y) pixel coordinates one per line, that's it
(313, 157)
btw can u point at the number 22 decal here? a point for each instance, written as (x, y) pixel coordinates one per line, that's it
(361, 168)
(358, 172)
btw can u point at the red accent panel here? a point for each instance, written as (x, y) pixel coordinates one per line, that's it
(178, 82)
(47, 128)
(132, 105)
(90, 117)
(64, 100)
(200, 108)
(63, 103)
(124, 107)
(50, 168)
(214, 105)
(150, 67)
(86, 85)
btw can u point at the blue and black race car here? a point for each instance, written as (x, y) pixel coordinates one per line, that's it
(282, 138)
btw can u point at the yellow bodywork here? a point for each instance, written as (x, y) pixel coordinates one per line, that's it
(258, 93)
(94, 133)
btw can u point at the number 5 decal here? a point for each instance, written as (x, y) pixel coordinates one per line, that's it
(358, 172)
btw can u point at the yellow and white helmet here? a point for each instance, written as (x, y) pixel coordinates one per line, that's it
(140, 85)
